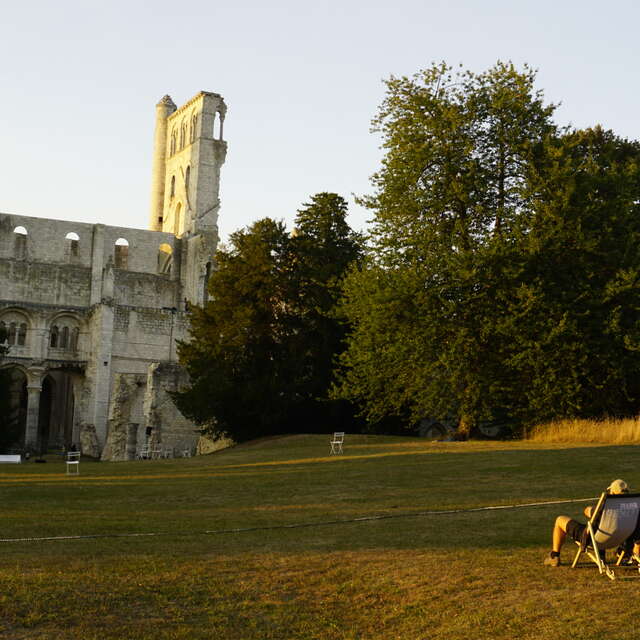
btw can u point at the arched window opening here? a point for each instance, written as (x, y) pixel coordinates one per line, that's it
(13, 329)
(217, 126)
(121, 253)
(194, 124)
(187, 176)
(183, 134)
(172, 148)
(64, 338)
(73, 339)
(72, 240)
(165, 258)
(53, 339)
(172, 192)
(20, 242)
(22, 334)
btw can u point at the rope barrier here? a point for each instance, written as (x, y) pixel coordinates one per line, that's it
(300, 525)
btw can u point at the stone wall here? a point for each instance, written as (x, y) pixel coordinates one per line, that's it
(125, 409)
(43, 283)
(169, 427)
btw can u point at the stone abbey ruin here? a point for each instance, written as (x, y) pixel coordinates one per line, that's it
(92, 312)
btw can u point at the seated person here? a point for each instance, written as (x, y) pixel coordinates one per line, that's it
(565, 525)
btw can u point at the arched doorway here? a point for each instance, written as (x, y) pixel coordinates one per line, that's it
(55, 418)
(14, 422)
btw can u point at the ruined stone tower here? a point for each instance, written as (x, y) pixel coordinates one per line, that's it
(188, 152)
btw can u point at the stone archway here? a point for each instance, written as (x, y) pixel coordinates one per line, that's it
(17, 409)
(56, 411)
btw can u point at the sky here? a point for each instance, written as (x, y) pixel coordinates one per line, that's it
(79, 81)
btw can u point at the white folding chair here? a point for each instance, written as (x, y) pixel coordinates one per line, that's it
(336, 442)
(143, 453)
(167, 452)
(613, 521)
(73, 463)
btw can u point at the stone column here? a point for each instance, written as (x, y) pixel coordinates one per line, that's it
(102, 340)
(33, 414)
(35, 374)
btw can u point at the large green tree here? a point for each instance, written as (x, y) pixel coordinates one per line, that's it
(261, 350)
(479, 298)
(575, 348)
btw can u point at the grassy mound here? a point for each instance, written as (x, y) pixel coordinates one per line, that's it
(340, 576)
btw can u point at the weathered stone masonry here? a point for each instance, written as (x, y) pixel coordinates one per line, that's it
(93, 311)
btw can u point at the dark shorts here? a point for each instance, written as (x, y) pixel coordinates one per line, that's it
(576, 530)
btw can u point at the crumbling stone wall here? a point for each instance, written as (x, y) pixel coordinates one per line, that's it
(169, 428)
(207, 444)
(89, 445)
(125, 408)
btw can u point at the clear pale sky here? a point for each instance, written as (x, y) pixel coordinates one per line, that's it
(302, 80)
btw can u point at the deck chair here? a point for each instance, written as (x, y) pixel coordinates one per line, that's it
(336, 442)
(613, 520)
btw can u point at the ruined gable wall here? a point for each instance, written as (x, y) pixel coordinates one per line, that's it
(143, 246)
(46, 243)
(45, 240)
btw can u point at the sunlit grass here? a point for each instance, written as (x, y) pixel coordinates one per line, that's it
(412, 576)
(605, 431)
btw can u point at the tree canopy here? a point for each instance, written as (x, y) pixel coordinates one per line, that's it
(501, 280)
(260, 352)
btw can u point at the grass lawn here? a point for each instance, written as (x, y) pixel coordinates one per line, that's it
(412, 576)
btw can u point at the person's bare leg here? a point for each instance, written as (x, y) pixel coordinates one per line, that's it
(560, 532)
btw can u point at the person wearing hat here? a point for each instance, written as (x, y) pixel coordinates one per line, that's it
(566, 526)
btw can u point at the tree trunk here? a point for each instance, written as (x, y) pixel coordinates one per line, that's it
(465, 427)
